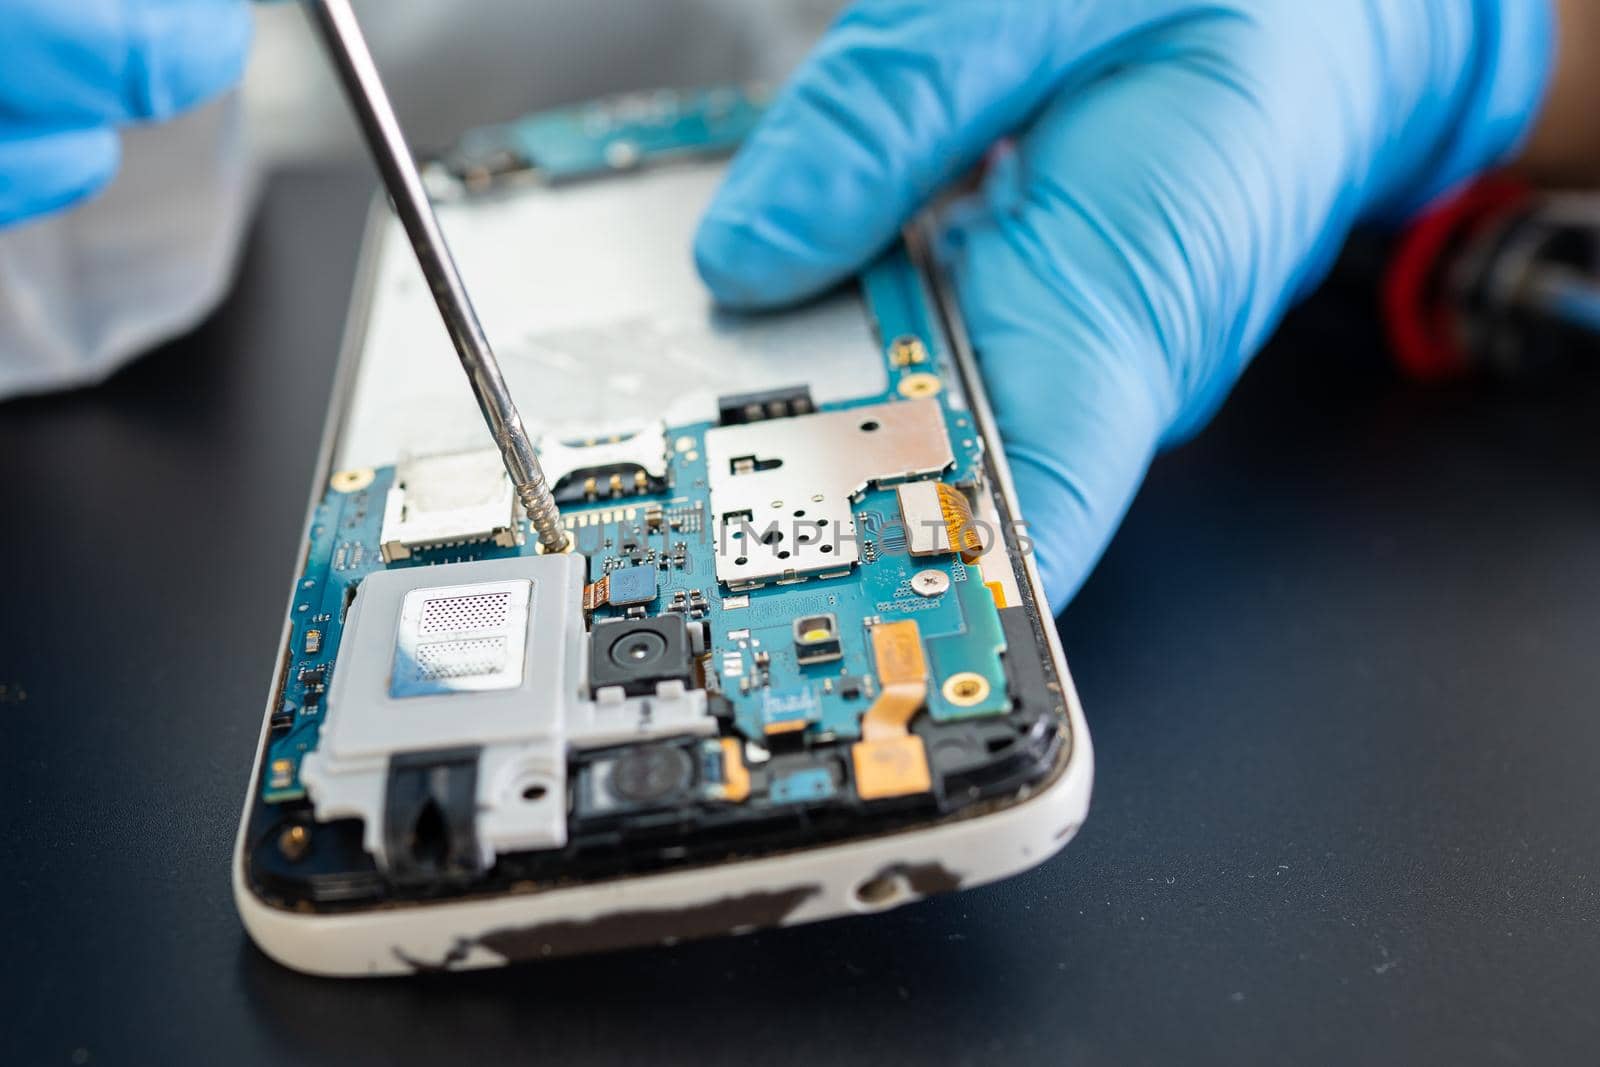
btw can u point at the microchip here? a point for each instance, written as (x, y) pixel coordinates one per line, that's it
(631, 585)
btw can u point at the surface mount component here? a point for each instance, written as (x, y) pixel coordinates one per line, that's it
(631, 585)
(782, 489)
(816, 639)
(452, 499)
(472, 668)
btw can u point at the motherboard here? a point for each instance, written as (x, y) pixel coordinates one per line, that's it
(796, 622)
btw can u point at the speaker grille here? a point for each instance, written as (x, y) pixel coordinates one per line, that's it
(461, 638)
(476, 611)
(472, 658)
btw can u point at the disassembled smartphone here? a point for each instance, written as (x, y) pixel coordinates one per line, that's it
(796, 663)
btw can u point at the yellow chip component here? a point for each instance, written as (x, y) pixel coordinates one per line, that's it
(889, 760)
(282, 774)
(907, 350)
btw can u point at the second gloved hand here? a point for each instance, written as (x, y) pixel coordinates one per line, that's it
(1180, 172)
(73, 71)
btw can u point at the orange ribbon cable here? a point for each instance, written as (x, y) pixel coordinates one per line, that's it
(891, 761)
(735, 775)
(959, 523)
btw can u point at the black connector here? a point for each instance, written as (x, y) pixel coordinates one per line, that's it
(769, 404)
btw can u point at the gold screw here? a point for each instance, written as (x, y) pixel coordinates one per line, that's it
(966, 689)
(352, 481)
(917, 386)
(294, 842)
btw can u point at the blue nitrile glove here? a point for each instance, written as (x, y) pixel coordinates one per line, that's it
(72, 71)
(1182, 170)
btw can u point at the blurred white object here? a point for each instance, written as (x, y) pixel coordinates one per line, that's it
(83, 292)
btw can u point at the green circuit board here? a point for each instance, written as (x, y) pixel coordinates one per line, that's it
(960, 626)
(618, 133)
(679, 677)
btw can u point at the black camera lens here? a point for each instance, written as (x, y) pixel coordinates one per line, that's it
(639, 649)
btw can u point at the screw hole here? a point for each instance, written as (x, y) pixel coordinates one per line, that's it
(875, 892)
(740, 561)
(826, 548)
(534, 792)
(869, 426)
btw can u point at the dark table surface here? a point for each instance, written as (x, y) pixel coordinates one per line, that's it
(1341, 669)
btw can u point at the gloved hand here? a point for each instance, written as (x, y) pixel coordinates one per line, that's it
(1182, 170)
(72, 71)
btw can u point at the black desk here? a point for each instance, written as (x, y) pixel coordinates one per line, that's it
(1341, 667)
